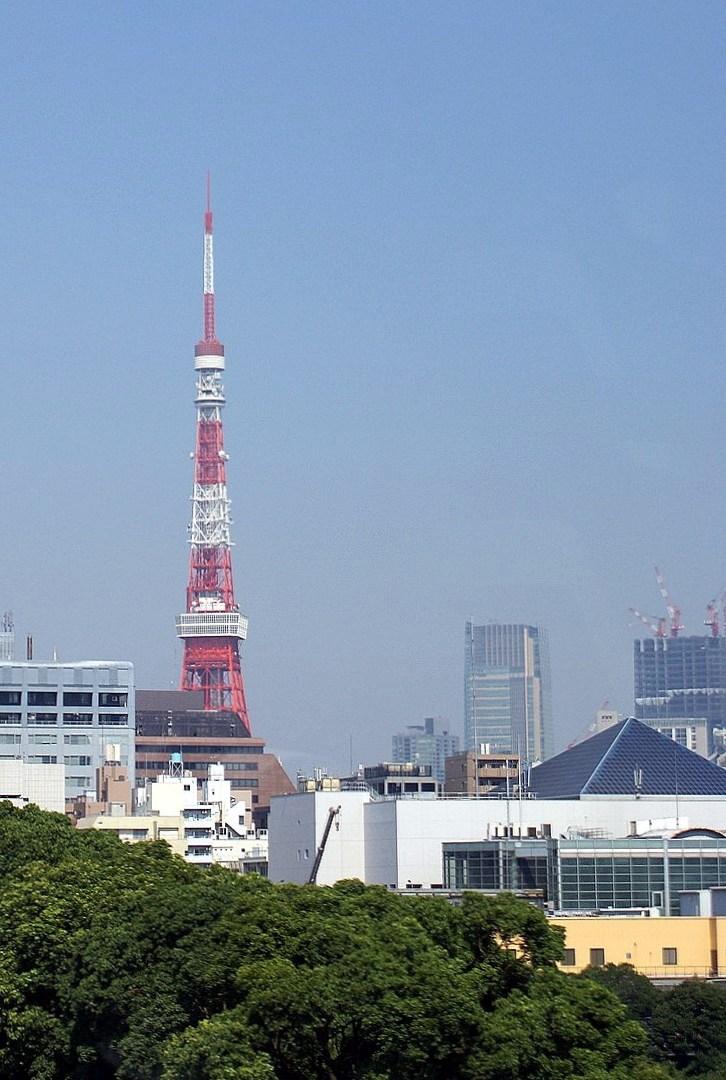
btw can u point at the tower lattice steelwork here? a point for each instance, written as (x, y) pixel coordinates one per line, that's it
(212, 627)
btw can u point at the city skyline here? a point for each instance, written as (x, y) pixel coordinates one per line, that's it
(472, 288)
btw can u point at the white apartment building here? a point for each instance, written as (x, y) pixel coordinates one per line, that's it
(206, 828)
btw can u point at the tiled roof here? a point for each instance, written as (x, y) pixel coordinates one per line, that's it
(606, 764)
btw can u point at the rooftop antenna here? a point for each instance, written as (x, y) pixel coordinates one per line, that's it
(638, 781)
(7, 637)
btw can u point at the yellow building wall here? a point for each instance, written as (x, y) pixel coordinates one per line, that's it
(700, 944)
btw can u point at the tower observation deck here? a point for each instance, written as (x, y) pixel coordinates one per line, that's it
(212, 626)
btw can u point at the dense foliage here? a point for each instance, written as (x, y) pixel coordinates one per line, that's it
(686, 1024)
(124, 962)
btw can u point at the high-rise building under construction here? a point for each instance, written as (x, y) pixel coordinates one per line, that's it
(680, 687)
(507, 689)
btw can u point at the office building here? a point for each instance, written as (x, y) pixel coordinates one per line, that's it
(680, 687)
(77, 714)
(172, 722)
(478, 773)
(507, 689)
(422, 744)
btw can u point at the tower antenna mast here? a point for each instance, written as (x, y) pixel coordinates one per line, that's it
(212, 626)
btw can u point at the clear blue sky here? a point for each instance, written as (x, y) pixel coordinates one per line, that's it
(471, 280)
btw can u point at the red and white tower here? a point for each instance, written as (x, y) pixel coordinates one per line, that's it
(212, 627)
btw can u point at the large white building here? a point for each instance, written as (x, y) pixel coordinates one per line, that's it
(73, 714)
(399, 842)
(625, 781)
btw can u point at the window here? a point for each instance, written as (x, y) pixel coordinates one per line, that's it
(77, 759)
(42, 759)
(46, 739)
(113, 719)
(86, 698)
(41, 719)
(670, 956)
(250, 782)
(9, 697)
(113, 700)
(42, 697)
(568, 960)
(9, 737)
(597, 957)
(77, 740)
(79, 781)
(71, 718)
(9, 717)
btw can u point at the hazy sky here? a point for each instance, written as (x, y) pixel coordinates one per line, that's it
(470, 278)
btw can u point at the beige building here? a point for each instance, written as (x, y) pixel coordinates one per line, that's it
(660, 947)
(476, 773)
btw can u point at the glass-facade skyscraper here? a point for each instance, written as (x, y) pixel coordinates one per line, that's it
(507, 689)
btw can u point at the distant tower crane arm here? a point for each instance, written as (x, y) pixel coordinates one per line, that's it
(674, 612)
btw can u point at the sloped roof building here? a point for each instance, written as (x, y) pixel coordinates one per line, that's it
(629, 759)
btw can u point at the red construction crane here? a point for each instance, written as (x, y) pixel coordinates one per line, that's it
(674, 612)
(712, 618)
(655, 622)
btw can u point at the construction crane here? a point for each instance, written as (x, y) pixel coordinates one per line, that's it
(674, 612)
(711, 619)
(332, 815)
(656, 623)
(714, 619)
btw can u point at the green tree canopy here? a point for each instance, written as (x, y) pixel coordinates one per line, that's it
(122, 961)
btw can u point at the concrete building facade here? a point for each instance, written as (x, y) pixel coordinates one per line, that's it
(399, 842)
(507, 695)
(41, 785)
(75, 714)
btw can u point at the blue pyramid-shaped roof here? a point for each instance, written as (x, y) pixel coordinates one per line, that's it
(607, 763)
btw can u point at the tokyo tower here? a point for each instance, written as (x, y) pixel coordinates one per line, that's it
(212, 627)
